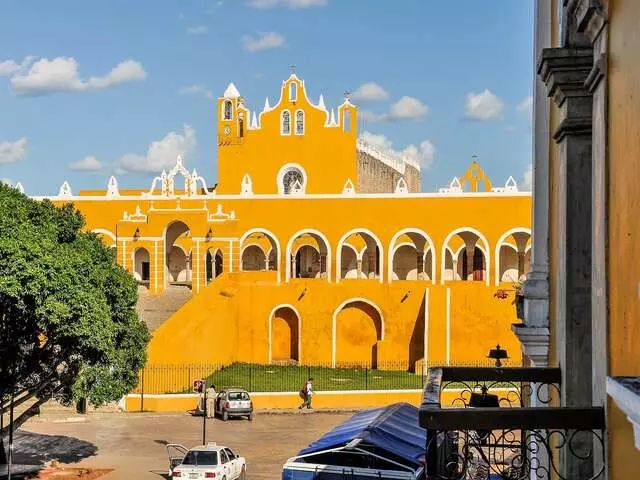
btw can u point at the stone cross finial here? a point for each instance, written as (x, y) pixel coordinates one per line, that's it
(347, 94)
(293, 69)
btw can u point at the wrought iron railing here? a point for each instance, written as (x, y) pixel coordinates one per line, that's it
(511, 439)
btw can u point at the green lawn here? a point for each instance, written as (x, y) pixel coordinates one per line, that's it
(276, 378)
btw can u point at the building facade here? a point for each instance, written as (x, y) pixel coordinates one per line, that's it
(581, 295)
(316, 247)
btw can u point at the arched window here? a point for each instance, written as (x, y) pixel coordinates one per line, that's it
(346, 120)
(228, 110)
(293, 92)
(299, 122)
(285, 126)
(241, 125)
(292, 182)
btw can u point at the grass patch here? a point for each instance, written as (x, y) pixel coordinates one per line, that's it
(290, 378)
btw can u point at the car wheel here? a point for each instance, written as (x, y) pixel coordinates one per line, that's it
(250, 417)
(225, 416)
(243, 473)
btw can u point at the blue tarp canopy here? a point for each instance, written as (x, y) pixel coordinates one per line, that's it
(394, 429)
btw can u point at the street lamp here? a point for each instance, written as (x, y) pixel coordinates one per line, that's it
(498, 354)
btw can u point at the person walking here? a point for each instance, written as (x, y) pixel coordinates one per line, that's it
(306, 393)
(211, 399)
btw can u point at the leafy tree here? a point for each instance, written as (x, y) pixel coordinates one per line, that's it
(68, 325)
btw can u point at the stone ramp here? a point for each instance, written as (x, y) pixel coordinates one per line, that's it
(156, 309)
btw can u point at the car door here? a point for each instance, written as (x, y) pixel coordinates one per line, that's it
(226, 465)
(235, 463)
(222, 396)
(176, 453)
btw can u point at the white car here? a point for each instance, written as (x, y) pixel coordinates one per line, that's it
(208, 461)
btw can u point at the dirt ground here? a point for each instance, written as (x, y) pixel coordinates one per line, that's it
(133, 445)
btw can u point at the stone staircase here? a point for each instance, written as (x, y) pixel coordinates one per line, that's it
(155, 309)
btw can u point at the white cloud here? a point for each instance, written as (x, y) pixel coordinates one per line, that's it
(13, 151)
(197, 90)
(483, 106)
(161, 154)
(87, 164)
(8, 68)
(525, 105)
(407, 108)
(61, 75)
(264, 4)
(370, 91)
(264, 41)
(199, 30)
(527, 184)
(424, 153)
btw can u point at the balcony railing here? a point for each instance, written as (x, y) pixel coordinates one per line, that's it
(501, 426)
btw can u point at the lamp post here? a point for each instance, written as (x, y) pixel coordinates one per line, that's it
(498, 354)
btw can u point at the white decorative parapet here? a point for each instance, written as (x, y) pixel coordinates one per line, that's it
(65, 190)
(509, 186)
(167, 182)
(112, 188)
(391, 159)
(454, 187)
(401, 186)
(220, 216)
(138, 216)
(625, 391)
(348, 188)
(247, 185)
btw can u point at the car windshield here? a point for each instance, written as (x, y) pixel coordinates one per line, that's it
(199, 457)
(238, 396)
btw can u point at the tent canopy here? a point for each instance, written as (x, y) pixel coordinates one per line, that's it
(394, 429)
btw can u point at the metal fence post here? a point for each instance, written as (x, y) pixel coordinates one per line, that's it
(142, 391)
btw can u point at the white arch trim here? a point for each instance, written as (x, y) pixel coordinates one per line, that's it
(335, 318)
(344, 238)
(245, 247)
(499, 244)
(102, 231)
(275, 240)
(484, 247)
(287, 167)
(270, 327)
(428, 244)
(313, 231)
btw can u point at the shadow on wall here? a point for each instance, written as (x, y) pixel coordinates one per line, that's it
(36, 449)
(416, 344)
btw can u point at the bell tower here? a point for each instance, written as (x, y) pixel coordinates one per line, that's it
(232, 121)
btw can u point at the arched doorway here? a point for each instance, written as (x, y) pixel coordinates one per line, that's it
(284, 335)
(410, 256)
(177, 239)
(141, 265)
(369, 259)
(470, 260)
(309, 255)
(512, 259)
(358, 326)
(269, 250)
(214, 265)
(253, 259)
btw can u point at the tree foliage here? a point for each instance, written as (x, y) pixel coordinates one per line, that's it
(68, 325)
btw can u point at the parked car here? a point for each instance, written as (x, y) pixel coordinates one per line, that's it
(208, 461)
(233, 402)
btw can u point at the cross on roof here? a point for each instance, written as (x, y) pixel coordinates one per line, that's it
(347, 94)
(293, 68)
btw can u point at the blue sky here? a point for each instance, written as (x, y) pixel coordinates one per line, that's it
(92, 88)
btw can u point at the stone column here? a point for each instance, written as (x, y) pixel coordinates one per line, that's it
(359, 266)
(293, 266)
(564, 71)
(372, 264)
(469, 252)
(521, 256)
(454, 262)
(420, 275)
(323, 265)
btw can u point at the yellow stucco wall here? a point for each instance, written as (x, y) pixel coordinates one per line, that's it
(623, 228)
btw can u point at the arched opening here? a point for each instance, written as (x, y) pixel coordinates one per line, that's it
(228, 110)
(469, 250)
(177, 259)
(512, 249)
(358, 327)
(368, 260)
(284, 335)
(299, 122)
(411, 256)
(260, 251)
(293, 92)
(141, 265)
(241, 125)
(346, 120)
(285, 123)
(253, 259)
(309, 255)
(214, 265)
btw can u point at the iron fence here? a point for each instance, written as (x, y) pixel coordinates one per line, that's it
(179, 378)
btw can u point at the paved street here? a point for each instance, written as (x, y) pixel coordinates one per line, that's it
(133, 445)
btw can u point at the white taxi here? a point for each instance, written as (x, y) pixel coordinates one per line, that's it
(208, 461)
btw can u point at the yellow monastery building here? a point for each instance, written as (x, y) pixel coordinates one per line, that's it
(315, 247)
